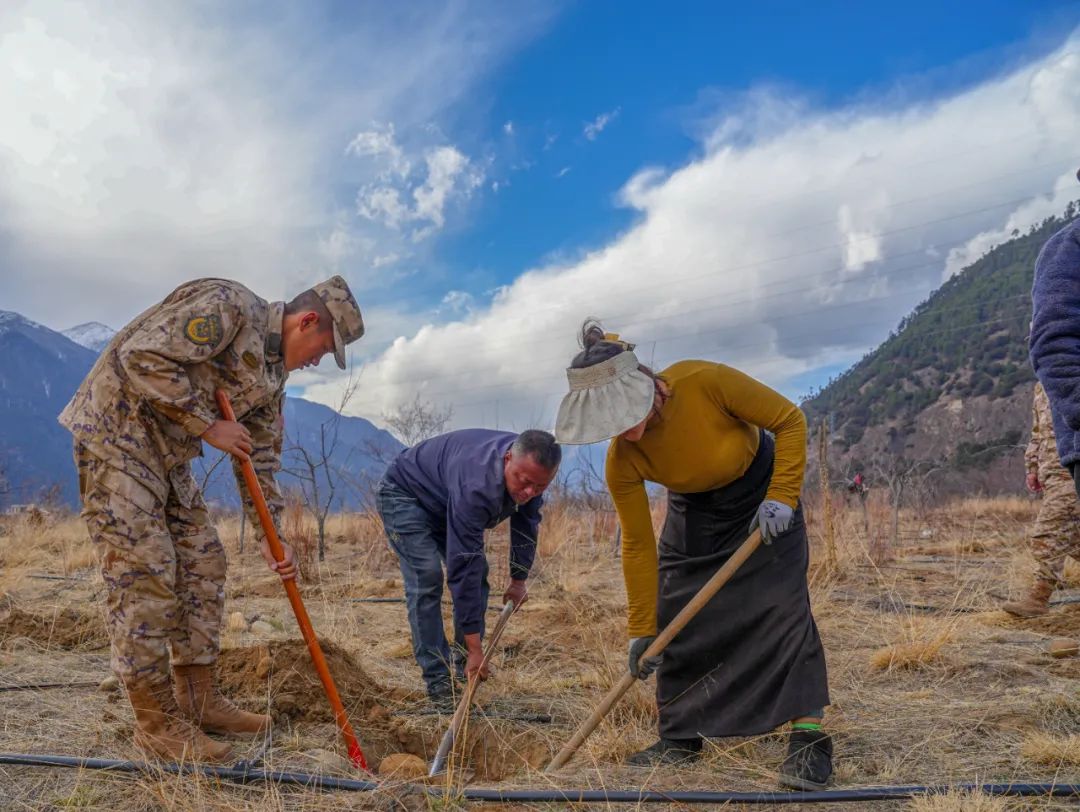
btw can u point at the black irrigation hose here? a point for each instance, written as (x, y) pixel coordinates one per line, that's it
(580, 796)
(41, 686)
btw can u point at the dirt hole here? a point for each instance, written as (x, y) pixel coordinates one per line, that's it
(381, 716)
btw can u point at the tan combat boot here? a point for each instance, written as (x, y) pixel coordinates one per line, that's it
(161, 730)
(1036, 604)
(200, 702)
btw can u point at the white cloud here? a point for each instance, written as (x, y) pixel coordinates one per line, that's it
(508, 128)
(458, 302)
(562, 173)
(383, 203)
(448, 176)
(381, 144)
(861, 246)
(793, 241)
(1027, 214)
(383, 260)
(597, 125)
(449, 173)
(143, 144)
(342, 244)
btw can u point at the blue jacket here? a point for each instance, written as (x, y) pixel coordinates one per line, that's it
(1055, 335)
(458, 479)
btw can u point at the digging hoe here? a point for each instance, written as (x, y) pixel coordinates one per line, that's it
(704, 595)
(462, 712)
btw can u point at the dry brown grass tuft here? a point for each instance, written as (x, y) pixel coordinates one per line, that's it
(954, 801)
(921, 643)
(57, 546)
(1052, 751)
(300, 532)
(1072, 573)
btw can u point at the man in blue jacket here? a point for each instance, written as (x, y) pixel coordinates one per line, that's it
(436, 500)
(1055, 352)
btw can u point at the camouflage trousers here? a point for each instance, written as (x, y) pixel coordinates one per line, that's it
(163, 567)
(1056, 535)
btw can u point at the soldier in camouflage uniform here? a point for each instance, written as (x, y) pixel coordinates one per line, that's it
(138, 420)
(1057, 528)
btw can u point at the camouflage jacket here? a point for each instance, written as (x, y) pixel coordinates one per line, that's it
(150, 395)
(1041, 449)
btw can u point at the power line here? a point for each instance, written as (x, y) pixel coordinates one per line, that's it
(750, 345)
(680, 314)
(939, 193)
(729, 326)
(875, 236)
(1022, 319)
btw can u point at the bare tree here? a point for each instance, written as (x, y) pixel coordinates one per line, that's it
(418, 420)
(581, 489)
(410, 424)
(314, 468)
(208, 474)
(902, 475)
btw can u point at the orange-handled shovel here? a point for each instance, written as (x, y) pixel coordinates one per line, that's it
(356, 755)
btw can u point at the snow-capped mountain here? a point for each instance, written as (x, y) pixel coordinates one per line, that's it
(93, 335)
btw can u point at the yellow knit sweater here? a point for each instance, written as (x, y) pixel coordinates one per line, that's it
(706, 437)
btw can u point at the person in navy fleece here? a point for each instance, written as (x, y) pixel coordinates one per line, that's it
(1055, 356)
(1055, 338)
(436, 500)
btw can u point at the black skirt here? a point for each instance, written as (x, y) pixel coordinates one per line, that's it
(751, 659)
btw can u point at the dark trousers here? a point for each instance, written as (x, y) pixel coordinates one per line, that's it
(419, 540)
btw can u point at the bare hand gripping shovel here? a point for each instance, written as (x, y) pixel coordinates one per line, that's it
(356, 755)
(462, 712)
(704, 595)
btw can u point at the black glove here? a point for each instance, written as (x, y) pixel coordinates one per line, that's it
(649, 664)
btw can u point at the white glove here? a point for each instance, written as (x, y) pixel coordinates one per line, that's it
(774, 518)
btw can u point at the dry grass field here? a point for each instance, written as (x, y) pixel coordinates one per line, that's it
(931, 683)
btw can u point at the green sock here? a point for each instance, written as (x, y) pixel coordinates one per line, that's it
(805, 726)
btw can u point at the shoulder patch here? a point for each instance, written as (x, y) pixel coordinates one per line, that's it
(249, 359)
(204, 330)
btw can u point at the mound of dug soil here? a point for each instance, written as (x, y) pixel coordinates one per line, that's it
(54, 628)
(285, 671)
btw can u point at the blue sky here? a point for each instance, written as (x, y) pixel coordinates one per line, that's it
(769, 185)
(668, 72)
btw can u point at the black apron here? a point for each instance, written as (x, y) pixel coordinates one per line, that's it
(751, 659)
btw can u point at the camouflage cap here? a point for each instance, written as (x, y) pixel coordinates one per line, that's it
(348, 323)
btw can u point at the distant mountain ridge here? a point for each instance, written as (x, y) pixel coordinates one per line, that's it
(952, 384)
(39, 371)
(41, 368)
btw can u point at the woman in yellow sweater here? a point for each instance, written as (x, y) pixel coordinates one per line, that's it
(752, 659)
